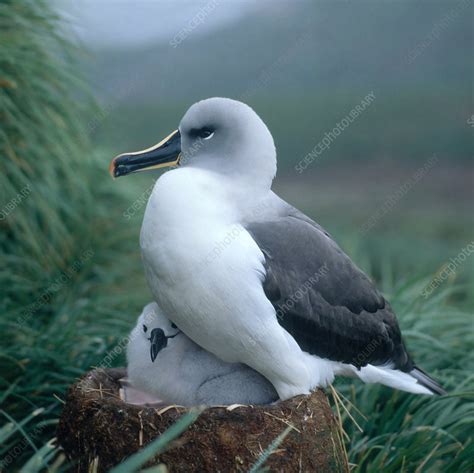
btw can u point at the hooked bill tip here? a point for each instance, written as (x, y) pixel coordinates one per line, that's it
(112, 168)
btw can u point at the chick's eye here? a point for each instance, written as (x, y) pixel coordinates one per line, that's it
(145, 328)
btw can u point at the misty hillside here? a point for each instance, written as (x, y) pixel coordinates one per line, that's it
(304, 67)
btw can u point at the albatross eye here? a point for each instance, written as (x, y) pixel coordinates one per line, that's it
(205, 133)
(145, 328)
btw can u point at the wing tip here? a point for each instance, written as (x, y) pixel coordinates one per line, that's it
(427, 381)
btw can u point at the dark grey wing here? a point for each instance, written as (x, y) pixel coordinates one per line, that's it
(329, 306)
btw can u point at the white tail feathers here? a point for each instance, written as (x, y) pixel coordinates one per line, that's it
(416, 381)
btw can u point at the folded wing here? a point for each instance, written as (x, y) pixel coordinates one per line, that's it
(330, 307)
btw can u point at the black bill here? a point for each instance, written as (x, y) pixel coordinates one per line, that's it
(165, 153)
(158, 341)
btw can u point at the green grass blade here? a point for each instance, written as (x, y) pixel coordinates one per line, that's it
(6, 431)
(38, 462)
(268, 451)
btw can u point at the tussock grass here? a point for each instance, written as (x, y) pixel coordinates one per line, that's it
(61, 237)
(404, 432)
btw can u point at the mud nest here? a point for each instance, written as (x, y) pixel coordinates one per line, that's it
(98, 430)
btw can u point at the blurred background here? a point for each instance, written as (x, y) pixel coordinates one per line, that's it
(371, 107)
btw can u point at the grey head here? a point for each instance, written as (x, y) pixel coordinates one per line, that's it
(222, 135)
(227, 136)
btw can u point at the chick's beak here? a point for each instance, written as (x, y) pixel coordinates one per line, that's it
(158, 341)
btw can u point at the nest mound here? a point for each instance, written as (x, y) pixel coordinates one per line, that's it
(97, 430)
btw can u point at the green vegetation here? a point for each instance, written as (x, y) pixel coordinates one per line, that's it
(402, 432)
(62, 231)
(72, 281)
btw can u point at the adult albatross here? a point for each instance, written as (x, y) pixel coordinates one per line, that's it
(250, 278)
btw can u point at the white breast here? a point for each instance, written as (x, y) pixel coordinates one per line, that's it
(198, 261)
